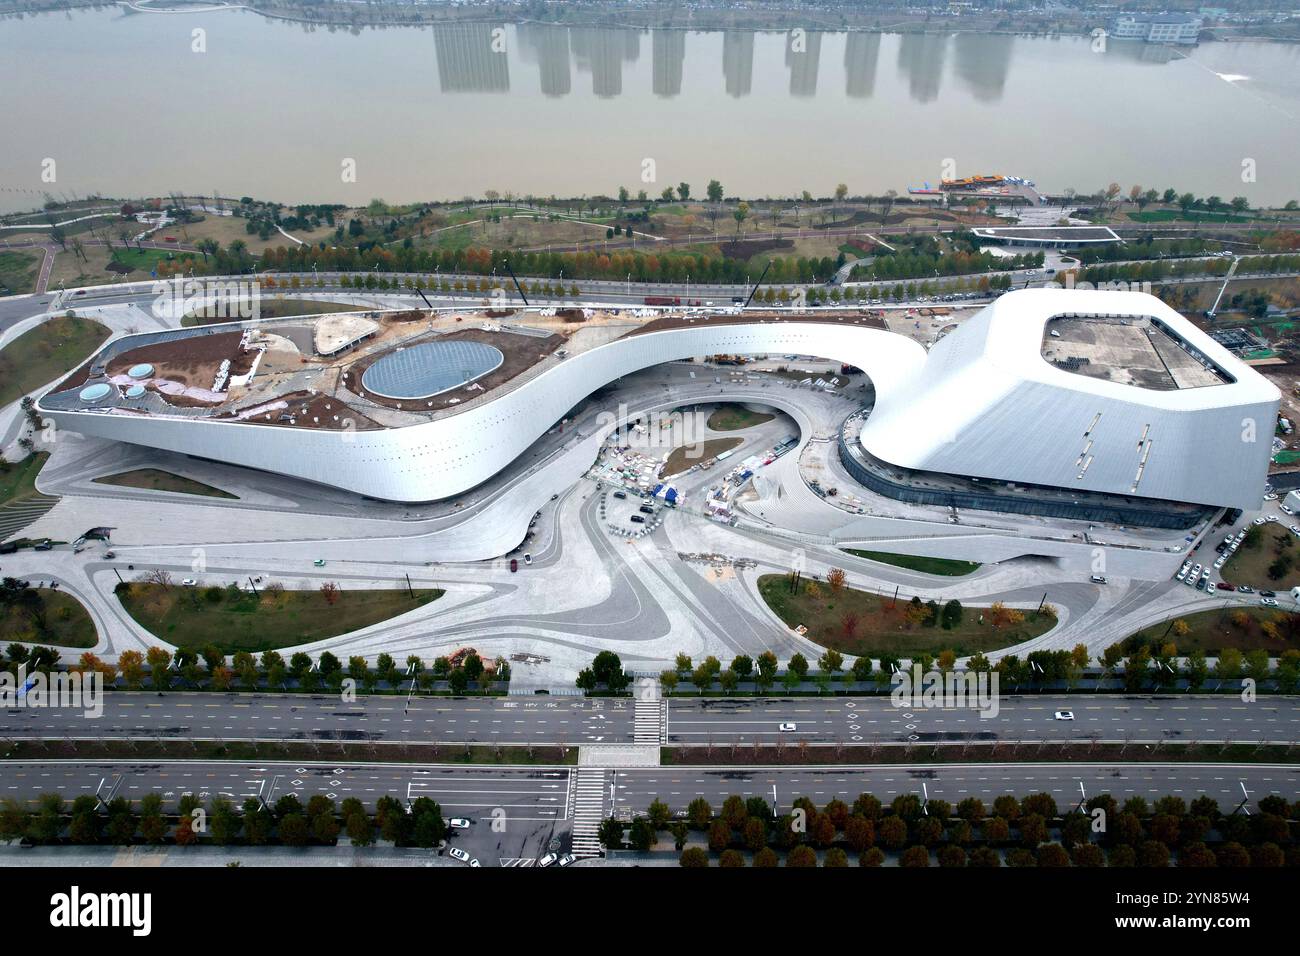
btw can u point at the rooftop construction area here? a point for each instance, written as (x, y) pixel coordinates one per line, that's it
(1130, 351)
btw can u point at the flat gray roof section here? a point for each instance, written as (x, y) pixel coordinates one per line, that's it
(1048, 233)
(419, 371)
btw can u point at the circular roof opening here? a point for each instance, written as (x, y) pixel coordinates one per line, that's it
(420, 371)
(95, 393)
(135, 391)
(143, 370)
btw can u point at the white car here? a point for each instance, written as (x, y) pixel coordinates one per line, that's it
(1271, 496)
(567, 859)
(547, 860)
(1064, 715)
(458, 823)
(528, 558)
(474, 863)
(456, 853)
(1219, 563)
(787, 727)
(1285, 510)
(189, 582)
(1270, 518)
(1268, 602)
(1258, 521)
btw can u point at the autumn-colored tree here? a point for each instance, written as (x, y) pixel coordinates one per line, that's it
(330, 592)
(131, 664)
(836, 579)
(1181, 628)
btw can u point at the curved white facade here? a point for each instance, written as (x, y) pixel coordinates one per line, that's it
(987, 405)
(983, 403)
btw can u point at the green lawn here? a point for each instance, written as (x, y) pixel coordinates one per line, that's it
(276, 308)
(881, 625)
(19, 480)
(67, 624)
(1210, 631)
(734, 418)
(18, 271)
(153, 479)
(948, 567)
(145, 260)
(189, 617)
(1192, 215)
(49, 351)
(1250, 565)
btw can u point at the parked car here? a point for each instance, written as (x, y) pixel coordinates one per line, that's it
(528, 558)
(1225, 586)
(567, 859)
(1097, 579)
(456, 853)
(547, 860)
(514, 565)
(458, 823)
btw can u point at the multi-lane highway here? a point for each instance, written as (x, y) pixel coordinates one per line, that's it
(544, 794)
(687, 721)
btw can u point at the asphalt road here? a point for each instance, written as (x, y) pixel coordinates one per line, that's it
(295, 717)
(542, 794)
(690, 721)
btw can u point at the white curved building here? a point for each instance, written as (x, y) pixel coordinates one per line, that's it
(984, 403)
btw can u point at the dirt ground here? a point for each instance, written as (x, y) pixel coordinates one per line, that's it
(192, 361)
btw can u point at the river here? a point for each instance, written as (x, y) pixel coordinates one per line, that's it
(130, 104)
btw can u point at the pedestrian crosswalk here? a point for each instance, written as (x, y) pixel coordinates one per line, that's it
(588, 802)
(648, 722)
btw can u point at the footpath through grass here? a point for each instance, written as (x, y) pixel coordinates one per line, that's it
(859, 623)
(237, 620)
(154, 479)
(947, 567)
(49, 351)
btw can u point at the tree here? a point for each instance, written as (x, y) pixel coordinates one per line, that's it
(611, 833)
(683, 191)
(914, 857)
(330, 592)
(836, 580)
(740, 214)
(694, 857)
(950, 617)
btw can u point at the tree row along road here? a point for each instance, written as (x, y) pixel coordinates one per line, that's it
(690, 721)
(542, 793)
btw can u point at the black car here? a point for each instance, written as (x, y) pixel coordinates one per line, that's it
(1268, 594)
(638, 519)
(646, 510)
